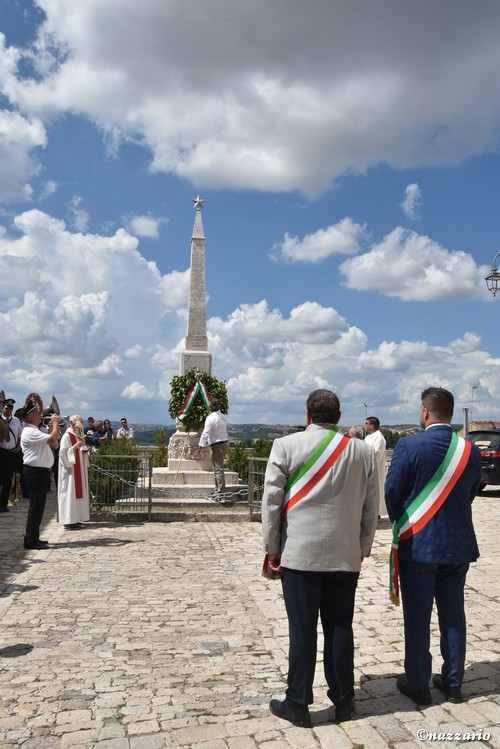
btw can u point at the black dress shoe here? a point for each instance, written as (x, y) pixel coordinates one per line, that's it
(4, 509)
(44, 543)
(453, 694)
(283, 710)
(37, 545)
(73, 527)
(344, 712)
(420, 697)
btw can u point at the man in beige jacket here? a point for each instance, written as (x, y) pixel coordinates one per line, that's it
(319, 514)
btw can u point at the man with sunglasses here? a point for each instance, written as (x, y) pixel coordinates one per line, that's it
(10, 451)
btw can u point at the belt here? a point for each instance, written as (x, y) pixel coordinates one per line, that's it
(36, 468)
(221, 442)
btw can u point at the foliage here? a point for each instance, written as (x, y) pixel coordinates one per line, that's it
(391, 437)
(261, 448)
(114, 470)
(160, 455)
(180, 387)
(238, 454)
(237, 460)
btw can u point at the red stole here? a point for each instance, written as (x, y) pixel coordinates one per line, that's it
(77, 468)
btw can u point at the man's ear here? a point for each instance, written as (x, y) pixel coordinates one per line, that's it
(308, 418)
(340, 415)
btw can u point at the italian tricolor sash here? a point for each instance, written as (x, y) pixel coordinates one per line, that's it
(77, 472)
(426, 504)
(307, 476)
(198, 387)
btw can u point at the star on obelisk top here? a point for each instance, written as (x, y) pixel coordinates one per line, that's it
(198, 202)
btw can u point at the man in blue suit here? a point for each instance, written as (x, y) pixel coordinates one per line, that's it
(434, 554)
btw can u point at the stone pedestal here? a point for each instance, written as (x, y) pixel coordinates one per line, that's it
(184, 476)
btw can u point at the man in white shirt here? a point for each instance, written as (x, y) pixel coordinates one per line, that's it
(38, 459)
(125, 432)
(376, 439)
(10, 451)
(215, 434)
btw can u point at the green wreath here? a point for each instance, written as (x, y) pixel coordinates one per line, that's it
(182, 385)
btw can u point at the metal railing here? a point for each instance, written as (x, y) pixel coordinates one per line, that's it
(121, 483)
(256, 473)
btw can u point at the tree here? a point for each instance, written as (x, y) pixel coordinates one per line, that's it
(237, 459)
(391, 437)
(261, 448)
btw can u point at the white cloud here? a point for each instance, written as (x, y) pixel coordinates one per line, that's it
(412, 202)
(413, 267)
(145, 226)
(137, 391)
(48, 189)
(342, 238)
(79, 217)
(19, 136)
(284, 98)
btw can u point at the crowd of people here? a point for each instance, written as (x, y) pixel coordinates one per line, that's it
(37, 445)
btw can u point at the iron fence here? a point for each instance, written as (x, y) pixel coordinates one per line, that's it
(256, 473)
(121, 483)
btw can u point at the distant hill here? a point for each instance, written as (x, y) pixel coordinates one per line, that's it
(144, 434)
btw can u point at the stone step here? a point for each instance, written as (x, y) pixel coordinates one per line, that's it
(196, 478)
(197, 493)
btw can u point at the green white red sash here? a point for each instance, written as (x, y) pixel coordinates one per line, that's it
(427, 503)
(77, 470)
(316, 466)
(307, 476)
(198, 388)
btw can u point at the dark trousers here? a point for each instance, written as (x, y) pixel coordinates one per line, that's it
(420, 585)
(219, 450)
(331, 595)
(9, 464)
(37, 483)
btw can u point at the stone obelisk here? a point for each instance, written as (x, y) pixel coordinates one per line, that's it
(196, 354)
(186, 476)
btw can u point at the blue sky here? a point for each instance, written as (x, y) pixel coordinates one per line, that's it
(348, 154)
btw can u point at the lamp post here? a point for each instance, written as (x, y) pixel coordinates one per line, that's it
(366, 416)
(493, 279)
(473, 387)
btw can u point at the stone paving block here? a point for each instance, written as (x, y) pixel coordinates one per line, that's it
(198, 733)
(158, 741)
(241, 742)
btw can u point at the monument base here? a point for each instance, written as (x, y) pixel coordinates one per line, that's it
(185, 475)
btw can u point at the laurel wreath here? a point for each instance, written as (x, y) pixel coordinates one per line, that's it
(181, 385)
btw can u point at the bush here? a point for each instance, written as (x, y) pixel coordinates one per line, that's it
(112, 478)
(160, 455)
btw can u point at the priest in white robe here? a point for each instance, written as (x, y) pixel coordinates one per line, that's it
(73, 483)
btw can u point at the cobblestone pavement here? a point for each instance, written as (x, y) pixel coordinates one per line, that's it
(143, 636)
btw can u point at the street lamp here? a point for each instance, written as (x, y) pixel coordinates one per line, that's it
(473, 387)
(493, 279)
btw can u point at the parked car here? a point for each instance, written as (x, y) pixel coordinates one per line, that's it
(488, 441)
